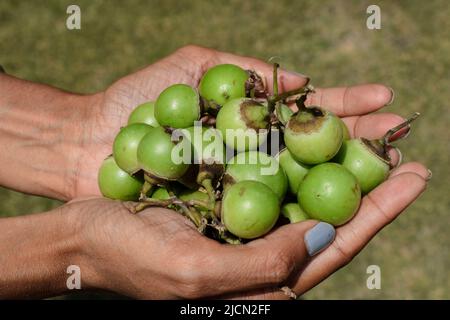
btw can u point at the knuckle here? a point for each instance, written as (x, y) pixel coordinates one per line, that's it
(192, 48)
(346, 254)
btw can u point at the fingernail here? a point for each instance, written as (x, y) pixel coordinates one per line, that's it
(319, 237)
(297, 74)
(392, 97)
(430, 175)
(400, 157)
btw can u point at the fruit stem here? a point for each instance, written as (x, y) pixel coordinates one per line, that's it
(387, 137)
(275, 89)
(146, 188)
(282, 96)
(197, 203)
(207, 184)
(300, 102)
(307, 88)
(149, 202)
(193, 215)
(217, 210)
(170, 191)
(275, 78)
(276, 96)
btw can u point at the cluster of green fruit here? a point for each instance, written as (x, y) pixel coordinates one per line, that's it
(227, 188)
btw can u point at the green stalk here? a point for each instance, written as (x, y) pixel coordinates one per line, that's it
(146, 188)
(387, 137)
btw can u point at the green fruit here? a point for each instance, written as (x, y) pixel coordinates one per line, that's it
(295, 171)
(243, 123)
(330, 193)
(177, 106)
(369, 160)
(345, 132)
(293, 212)
(313, 135)
(126, 144)
(144, 113)
(161, 194)
(114, 183)
(249, 209)
(223, 83)
(256, 166)
(207, 145)
(359, 158)
(154, 155)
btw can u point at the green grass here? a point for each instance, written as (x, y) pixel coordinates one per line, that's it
(327, 40)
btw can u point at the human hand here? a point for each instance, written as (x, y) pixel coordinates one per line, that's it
(353, 104)
(159, 254)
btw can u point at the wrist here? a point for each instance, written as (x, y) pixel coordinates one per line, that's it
(82, 251)
(44, 131)
(36, 253)
(77, 136)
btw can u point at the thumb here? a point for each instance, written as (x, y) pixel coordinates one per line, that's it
(315, 236)
(293, 244)
(270, 261)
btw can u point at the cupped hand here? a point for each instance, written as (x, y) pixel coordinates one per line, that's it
(257, 269)
(159, 254)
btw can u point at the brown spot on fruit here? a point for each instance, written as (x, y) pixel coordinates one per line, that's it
(307, 121)
(255, 115)
(168, 130)
(228, 180)
(355, 189)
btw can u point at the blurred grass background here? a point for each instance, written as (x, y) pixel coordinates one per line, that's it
(327, 40)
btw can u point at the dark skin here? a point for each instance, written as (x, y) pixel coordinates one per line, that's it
(53, 143)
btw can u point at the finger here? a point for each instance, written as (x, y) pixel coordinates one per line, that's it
(354, 100)
(372, 126)
(412, 167)
(262, 263)
(377, 210)
(287, 80)
(396, 156)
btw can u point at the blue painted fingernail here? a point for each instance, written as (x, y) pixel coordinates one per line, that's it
(319, 237)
